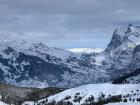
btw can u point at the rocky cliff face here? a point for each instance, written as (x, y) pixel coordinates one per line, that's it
(37, 65)
(135, 63)
(132, 78)
(121, 50)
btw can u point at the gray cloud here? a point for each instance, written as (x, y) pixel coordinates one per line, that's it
(66, 21)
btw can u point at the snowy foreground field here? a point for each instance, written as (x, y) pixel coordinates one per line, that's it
(125, 94)
(127, 103)
(2, 103)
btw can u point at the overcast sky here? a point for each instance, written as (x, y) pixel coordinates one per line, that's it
(66, 23)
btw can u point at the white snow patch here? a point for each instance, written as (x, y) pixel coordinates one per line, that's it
(2, 103)
(124, 103)
(99, 59)
(86, 50)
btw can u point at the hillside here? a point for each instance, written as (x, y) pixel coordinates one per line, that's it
(95, 94)
(17, 95)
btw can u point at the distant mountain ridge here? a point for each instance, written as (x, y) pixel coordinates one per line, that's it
(37, 65)
(86, 50)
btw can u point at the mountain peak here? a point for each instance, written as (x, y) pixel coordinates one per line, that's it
(130, 25)
(129, 34)
(130, 28)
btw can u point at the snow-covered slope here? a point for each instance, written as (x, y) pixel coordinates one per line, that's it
(86, 50)
(2, 103)
(98, 92)
(124, 103)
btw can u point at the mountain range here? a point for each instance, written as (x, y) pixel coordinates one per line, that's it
(27, 64)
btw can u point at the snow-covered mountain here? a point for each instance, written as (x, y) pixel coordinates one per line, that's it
(121, 50)
(37, 65)
(31, 64)
(86, 50)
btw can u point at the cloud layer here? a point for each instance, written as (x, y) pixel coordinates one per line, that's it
(66, 23)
